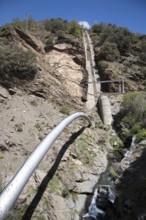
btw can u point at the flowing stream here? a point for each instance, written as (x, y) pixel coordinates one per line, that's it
(104, 195)
(132, 147)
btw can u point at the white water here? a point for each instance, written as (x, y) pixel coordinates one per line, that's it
(132, 147)
(111, 195)
(94, 211)
(102, 193)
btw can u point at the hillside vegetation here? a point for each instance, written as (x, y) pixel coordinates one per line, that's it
(43, 79)
(25, 48)
(120, 54)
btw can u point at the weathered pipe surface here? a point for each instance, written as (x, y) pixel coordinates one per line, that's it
(105, 110)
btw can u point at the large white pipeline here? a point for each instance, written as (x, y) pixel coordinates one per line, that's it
(105, 110)
(11, 192)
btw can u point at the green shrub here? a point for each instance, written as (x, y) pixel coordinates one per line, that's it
(1, 155)
(109, 52)
(49, 43)
(135, 128)
(97, 28)
(54, 185)
(102, 66)
(17, 213)
(141, 45)
(74, 29)
(143, 71)
(65, 110)
(5, 31)
(113, 173)
(141, 135)
(134, 104)
(122, 37)
(39, 126)
(142, 57)
(16, 63)
(55, 25)
(134, 115)
(129, 120)
(65, 192)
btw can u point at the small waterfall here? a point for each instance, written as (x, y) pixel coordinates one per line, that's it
(102, 197)
(94, 211)
(132, 147)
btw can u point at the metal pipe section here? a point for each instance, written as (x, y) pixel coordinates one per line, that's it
(16, 185)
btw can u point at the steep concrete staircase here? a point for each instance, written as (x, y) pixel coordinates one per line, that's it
(94, 85)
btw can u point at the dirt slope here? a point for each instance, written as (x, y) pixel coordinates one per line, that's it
(29, 110)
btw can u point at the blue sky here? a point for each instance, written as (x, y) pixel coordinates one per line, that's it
(127, 13)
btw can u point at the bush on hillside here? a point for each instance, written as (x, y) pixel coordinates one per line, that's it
(102, 66)
(109, 52)
(118, 35)
(97, 28)
(55, 25)
(5, 31)
(141, 135)
(141, 45)
(49, 43)
(74, 29)
(18, 23)
(134, 115)
(143, 71)
(134, 103)
(123, 38)
(142, 57)
(16, 63)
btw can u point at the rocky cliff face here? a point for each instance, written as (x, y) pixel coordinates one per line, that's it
(29, 109)
(58, 70)
(32, 106)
